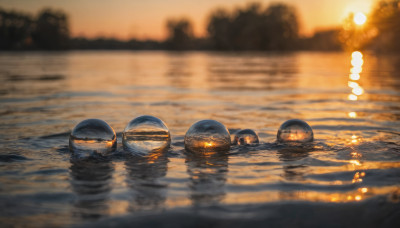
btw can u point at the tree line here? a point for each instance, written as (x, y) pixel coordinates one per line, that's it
(253, 27)
(48, 30)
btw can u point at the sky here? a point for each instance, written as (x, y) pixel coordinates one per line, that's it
(145, 19)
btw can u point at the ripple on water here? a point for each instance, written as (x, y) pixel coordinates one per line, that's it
(12, 158)
(348, 177)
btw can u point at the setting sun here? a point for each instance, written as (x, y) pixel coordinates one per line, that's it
(360, 18)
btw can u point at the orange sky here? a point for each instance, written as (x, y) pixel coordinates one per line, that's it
(142, 19)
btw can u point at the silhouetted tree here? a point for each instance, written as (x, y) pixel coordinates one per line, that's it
(252, 28)
(325, 40)
(247, 28)
(353, 36)
(15, 30)
(180, 34)
(381, 32)
(283, 26)
(219, 29)
(114, 44)
(385, 22)
(51, 31)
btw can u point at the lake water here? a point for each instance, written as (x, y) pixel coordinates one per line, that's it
(349, 175)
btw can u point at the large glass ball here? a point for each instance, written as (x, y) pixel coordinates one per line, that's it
(295, 131)
(207, 135)
(245, 137)
(146, 134)
(91, 137)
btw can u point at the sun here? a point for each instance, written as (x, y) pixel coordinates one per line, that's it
(360, 18)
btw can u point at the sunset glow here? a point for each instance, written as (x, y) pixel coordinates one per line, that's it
(354, 77)
(352, 97)
(352, 114)
(125, 19)
(358, 91)
(356, 55)
(357, 63)
(360, 18)
(353, 84)
(208, 144)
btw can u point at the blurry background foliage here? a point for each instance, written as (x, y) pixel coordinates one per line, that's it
(253, 27)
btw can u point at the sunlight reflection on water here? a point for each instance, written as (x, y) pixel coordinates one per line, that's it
(351, 104)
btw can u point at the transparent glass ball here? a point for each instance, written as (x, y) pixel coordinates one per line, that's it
(245, 137)
(92, 136)
(207, 135)
(146, 134)
(295, 131)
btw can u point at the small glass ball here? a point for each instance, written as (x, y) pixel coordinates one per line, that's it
(295, 131)
(245, 137)
(207, 135)
(92, 136)
(146, 134)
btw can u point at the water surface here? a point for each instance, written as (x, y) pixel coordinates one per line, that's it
(350, 174)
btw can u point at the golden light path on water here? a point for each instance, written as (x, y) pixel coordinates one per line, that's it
(357, 63)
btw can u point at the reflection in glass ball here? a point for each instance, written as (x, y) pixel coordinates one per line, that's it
(207, 135)
(295, 131)
(146, 134)
(91, 137)
(245, 137)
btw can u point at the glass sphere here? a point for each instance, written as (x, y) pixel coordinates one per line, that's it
(207, 135)
(146, 134)
(92, 136)
(245, 137)
(295, 131)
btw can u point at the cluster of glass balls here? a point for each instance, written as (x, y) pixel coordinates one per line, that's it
(141, 136)
(147, 134)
